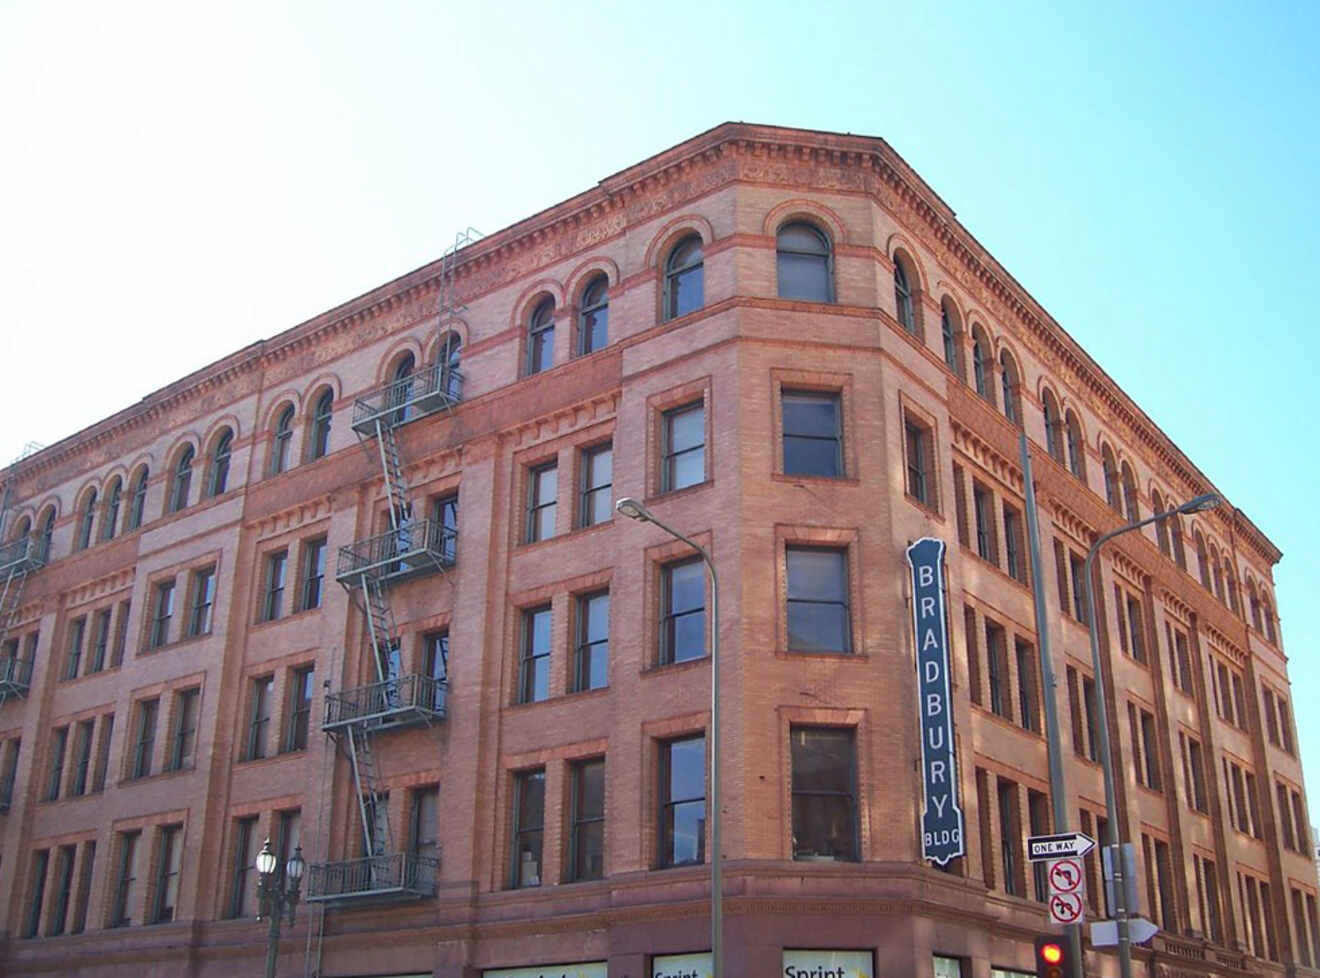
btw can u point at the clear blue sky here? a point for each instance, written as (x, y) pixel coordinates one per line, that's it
(179, 180)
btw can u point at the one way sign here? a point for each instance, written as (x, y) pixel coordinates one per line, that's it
(1043, 847)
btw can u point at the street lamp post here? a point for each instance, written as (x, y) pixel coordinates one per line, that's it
(277, 898)
(632, 509)
(1207, 501)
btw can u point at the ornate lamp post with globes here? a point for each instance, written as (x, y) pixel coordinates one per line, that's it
(277, 898)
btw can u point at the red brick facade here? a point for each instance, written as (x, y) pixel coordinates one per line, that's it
(1200, 707)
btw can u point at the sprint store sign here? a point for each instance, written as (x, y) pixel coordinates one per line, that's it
(589, 969)
(682, 966)
(828, 964)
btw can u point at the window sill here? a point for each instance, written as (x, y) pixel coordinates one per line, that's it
(799, 654)
(577, 530)
(659, 668)
(263, 623)
(924, 506)
(171, 646)
(667, 494)
(970, 551)
(814, 480)
(271, 758)
(584, 693)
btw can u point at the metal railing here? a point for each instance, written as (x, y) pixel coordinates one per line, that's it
(15, 675)
(421, 392)
(418, 545)
(23, 554)
(399, 875)
(415, 696)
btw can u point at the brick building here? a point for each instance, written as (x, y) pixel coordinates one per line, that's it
(360, 587)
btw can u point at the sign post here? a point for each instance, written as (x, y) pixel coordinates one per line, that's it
(941, 818)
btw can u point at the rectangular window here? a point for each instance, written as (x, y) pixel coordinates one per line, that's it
(435, 667)
(259, 697)
(683, 447)
(534, 669)
(1014, 547)
(121, 909)
(996, 659)
(591, 668)
(184, 741)
(824, 793)
(288, 837)
(313, 574)
(300, 708)
(1253, 804)
(1208, 892)
(1150, 752)
(1028, 697)
(813, 435)
(73, 658)
(596, 504)
(1135, 629)
(1180, 661)
(542, 494)
(84, 893)
(1075, 712)
(1313, 919)
(1038, 817)
(1285, 817)
(1271, 716)
(983, 510)
(100, 641)
(586, 858)
(121, 635)
(59, 911)
(1164, 887)
(82, 757)
(1061, 575)
(168, 860)
(1196, 770)
(162, 613)
(919, 443)
(1239, 702)
(1092, 735)
(40, 863)
(973, 655)
(818, 615)
(55, 773)
(1010, 835)
(145, 738)
(1077, 567)
(1285, 726)
(528, 827)
(1299, 928)
(277, 566)
(682, 834)
(203, 600)
(682, 611)
(424, 832)
(444, 515)
(103, 753)
(1300, 823)
(245, 857)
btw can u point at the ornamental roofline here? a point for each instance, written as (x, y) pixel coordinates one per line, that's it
(611, 193)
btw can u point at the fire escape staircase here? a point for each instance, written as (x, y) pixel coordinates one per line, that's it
(18, 558)
(368, 568)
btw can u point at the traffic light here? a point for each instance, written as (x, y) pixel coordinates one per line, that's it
(1051, 956)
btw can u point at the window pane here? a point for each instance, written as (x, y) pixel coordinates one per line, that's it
(687, 769)
(822, 826)
(685, 833)
(815, 575)
(805, 277)
(822, 760)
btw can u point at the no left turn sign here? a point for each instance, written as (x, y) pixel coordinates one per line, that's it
(1065, 908)
(1065, 876)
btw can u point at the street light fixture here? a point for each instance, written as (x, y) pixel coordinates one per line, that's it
(1199, 504)
(631, 508)
(277, 898)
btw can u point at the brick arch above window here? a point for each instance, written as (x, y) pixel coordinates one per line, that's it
(437, 337)
(531, 298)
(389, 363)
(586, 273)
(900, 245)
(657, 252)
(217, 428)
(285, 399)
(809, 212)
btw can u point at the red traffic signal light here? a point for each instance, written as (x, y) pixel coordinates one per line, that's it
(1051, 957)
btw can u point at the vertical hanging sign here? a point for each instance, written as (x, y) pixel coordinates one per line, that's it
(941, 818)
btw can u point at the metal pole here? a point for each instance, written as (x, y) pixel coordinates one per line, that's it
(273, 935)
(635, 510)
(1058, 786)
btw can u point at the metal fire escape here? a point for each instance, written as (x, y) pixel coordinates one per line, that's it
(412, 546)
(18, 558)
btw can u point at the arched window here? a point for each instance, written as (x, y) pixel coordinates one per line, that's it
(1053, 427)
(451, 381)
(1010, 381)
(949, 330)
(281, 440)
(110, 509)
(1130, 494)
(219, 480)
(804, 263)
(1111, 479)
(47, 534)
(86, 517)
(1217, 570)
(1230, 585)
(1076, 447)
(684, 286)
(1268, 617)
(903, 306)
(401, 388)
(22, 528)
(541, 337)
(594, 319)
(1176, 533)
(981, 364)
(1161, 530)
(318, 445)
(1202, 561)
(1253, 603)
(137, 502)
(182, 480)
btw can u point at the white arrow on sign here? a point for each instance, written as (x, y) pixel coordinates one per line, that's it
(1042, 847)
(1104, 933)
